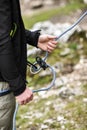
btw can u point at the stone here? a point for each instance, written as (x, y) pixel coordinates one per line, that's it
(85, 1)
(65, 52)
(57, 29)
(60, 118)
(36, 3)
(85, 100)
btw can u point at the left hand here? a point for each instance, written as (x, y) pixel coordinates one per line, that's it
(47, 42)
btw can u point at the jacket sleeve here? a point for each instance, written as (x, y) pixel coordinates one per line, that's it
(32, 37)
(8, 67)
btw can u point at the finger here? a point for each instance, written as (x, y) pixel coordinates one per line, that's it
(50, 44)
(50, 37)
(21, 102)
(29, 96)
(29, 99)
(24, 102)
(54, 42)
(50, 49)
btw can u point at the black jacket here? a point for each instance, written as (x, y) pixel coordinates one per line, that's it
(13, 52)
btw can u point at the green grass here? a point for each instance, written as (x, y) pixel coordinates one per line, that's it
(48, 14)
(77, 111)
(74, 113)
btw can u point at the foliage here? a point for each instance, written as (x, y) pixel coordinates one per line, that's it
(70, 1)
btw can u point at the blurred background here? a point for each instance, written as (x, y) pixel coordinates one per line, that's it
(64, 107)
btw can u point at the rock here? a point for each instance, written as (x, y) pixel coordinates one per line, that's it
(67, 68)
(65, 52)
(41, 3)
(58, 67)
(44, 127)
(36, 4)
(48, 27)
(66, 92)
(33, 51)
(81, 68)
(59, 82)
(79, 47)
(48, 2)
(45, 27)
(85, 100)
(50, 121)
(60, 118)
(85, 1)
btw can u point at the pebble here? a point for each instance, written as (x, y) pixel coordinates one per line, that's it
(85, 100)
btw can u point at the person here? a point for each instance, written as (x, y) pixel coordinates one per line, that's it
(13, 59)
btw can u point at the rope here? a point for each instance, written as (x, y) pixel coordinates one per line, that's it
(51, 84)
(70, 28)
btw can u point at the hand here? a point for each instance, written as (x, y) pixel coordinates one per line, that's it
(25, 97)
(47, 43)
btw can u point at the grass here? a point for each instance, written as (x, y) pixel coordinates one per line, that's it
(77, 112)
(48, 14)
(74, 113)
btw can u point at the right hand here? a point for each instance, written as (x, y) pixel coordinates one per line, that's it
(25, 97)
